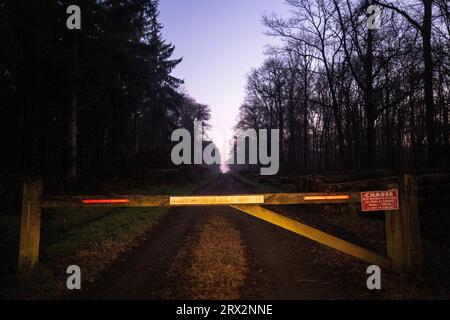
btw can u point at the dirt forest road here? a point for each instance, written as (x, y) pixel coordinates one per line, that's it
(278, 264)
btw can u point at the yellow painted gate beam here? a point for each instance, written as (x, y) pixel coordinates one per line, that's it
(316, 235)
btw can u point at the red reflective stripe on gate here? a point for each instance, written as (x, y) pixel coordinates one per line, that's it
(318, 198)
(99, 201)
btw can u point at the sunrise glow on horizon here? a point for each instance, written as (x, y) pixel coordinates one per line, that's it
(220, 43)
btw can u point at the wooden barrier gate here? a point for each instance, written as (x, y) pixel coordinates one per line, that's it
(402, 225)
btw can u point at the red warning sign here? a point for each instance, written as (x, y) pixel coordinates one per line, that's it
(379, 200)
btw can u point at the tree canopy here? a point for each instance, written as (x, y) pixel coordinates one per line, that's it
(86, 100)
(346, 96)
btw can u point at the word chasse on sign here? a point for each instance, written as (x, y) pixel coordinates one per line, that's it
(379, 200)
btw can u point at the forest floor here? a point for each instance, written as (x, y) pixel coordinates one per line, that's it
(220, 253)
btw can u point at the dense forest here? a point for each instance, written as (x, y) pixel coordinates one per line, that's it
(89, 101)
(346, 96)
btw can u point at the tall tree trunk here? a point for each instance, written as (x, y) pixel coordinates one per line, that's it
(305, 119)
(340, 135)
(428, 83)
(135, 134)
(368, 99)
(71, 172)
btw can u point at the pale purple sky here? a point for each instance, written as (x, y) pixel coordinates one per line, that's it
(220, 42)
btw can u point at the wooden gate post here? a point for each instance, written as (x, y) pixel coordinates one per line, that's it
(402, 228)
(30, 226)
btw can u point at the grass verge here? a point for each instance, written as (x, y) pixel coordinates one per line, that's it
(89, 238)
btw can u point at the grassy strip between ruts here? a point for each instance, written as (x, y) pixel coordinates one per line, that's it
(212, 264)
(88, 238)
(218, 268)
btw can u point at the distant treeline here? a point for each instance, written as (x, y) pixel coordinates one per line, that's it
(89, 100)
(348, 97)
